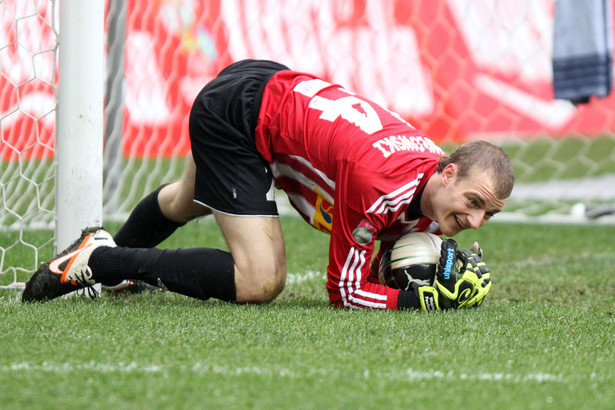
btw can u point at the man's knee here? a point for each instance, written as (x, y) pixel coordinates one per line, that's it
(260, 287)
(267, 290)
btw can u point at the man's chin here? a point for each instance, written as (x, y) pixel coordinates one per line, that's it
(450, 230)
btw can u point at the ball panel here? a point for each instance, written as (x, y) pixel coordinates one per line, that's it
(419, 274)
(412, 260)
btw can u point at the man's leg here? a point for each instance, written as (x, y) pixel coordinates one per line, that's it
(258, 250)
(255, 267)
(253, 272)
(160, 213)
(256, 243)
(199, 272)
(155, 218)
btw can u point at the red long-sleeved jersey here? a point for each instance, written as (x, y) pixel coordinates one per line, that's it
(350, 168)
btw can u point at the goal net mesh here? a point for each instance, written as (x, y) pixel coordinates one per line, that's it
(456, 69)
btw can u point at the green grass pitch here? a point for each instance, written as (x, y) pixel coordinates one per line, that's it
(544, 338)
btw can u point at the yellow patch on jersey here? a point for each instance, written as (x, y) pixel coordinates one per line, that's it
(323, 213)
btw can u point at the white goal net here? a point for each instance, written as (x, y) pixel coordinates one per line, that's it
(28, 56)
(456, 69)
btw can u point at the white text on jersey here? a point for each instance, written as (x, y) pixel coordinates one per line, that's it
(395, 143)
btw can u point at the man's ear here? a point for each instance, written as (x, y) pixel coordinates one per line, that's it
(449, 174)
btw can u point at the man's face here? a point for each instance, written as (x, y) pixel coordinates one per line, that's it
(464, 203)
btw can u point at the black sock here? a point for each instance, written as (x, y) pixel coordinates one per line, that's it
(197, 272)
(146, 226)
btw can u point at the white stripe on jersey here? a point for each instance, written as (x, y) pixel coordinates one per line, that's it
(393, 206)
(302, 205)
(367, 303)
(319, 184)
(350, 283)
(397, 198)
(370, 295)
(318, 172)
(280, 169)
(351, 262)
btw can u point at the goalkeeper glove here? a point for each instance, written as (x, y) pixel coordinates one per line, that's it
(477, 266)
(450, 293)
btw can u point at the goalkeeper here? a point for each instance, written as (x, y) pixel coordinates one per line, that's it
(349, 167)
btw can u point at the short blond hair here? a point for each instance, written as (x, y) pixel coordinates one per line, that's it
(486, 156)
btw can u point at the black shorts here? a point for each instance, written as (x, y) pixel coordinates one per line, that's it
(231, 175)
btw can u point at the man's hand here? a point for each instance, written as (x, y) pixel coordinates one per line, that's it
(448, 292)
(477, 266)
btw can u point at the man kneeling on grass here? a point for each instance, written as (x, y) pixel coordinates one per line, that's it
(350, 167)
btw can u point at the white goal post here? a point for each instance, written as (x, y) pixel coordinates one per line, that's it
(79, 135)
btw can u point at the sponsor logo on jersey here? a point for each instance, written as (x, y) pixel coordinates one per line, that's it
(323, 213)
(364, 233)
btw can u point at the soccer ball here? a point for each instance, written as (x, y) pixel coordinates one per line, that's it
(412, 260)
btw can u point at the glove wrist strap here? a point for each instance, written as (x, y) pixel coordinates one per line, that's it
(408, 300)
(428, 298)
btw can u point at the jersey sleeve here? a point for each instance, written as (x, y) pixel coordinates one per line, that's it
(359, 216)
(348, 275)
